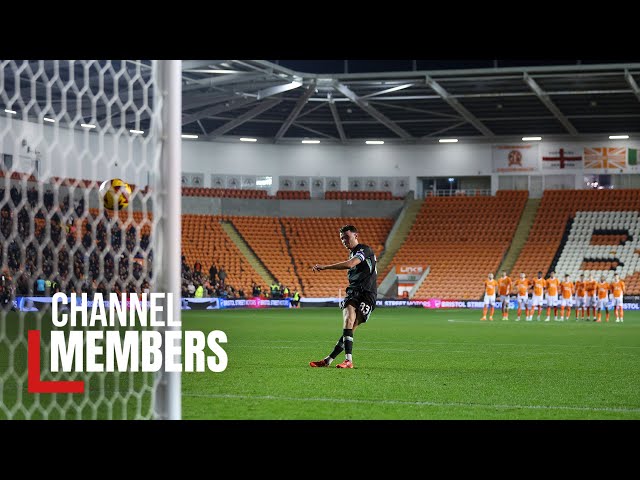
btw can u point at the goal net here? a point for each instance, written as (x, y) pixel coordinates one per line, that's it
(65, 127)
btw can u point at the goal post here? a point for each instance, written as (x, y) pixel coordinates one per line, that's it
(168, 404)
(65, 127)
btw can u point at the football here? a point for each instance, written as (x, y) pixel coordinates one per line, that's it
(115, 193)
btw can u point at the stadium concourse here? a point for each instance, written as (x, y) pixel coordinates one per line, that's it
(456, 239)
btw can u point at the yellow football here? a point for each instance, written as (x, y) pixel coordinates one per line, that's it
(115, 193)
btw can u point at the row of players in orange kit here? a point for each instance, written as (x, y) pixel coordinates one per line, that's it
(583, 294)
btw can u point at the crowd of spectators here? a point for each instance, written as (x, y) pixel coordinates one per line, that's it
(196, 283)
(48, 245)
(63, 246)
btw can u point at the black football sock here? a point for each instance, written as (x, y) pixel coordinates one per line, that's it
(336, 350)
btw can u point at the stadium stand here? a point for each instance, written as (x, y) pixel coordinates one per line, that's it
(587, 249)
(223, 192)
(265, 237)
(462, 239)
(18, 176)
(317, 240)
(49, 235)
(76, 182)
(84, 183)
(293, 194)
(141, 220)
(204, 240)
(557, 208)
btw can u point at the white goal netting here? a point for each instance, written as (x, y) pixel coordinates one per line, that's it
(66, 126)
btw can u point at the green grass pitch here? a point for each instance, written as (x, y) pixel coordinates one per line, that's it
(413, 363)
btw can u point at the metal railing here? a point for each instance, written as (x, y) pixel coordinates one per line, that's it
(474, 192)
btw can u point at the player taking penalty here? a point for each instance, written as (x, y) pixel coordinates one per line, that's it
(361, 293)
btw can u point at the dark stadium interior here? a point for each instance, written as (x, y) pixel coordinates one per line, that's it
(400, 101)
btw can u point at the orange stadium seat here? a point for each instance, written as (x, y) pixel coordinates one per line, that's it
(358, 195)
(293, 194)
(204, 240)
(461, 239)
(317, 240)
(266, 238)
(142, 221)
(223, 192)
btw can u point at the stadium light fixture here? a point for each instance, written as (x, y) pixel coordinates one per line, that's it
(310, 141)
(531, 139)
(448, 140)
(374, 142)
(245, 139)
(87, 125)
(50, 120)
(137, 131)
(12, 112)
(185, 135)
(213, 70)
(618, 137)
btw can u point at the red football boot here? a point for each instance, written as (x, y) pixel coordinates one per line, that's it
(319, 363)
(345, 364)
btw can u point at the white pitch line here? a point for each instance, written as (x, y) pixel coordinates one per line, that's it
(550, 322)
(424, 350)
(416, 403)
(384, 342)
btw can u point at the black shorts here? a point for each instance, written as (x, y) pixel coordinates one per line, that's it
(364, 303)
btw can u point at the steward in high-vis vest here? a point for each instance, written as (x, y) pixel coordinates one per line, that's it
(295, 301)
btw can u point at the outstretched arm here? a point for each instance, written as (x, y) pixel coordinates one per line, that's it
(346, 265)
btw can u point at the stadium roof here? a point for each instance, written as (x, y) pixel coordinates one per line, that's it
(410, 102)
(227, 99)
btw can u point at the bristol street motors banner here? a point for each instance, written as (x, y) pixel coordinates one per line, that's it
(557, 157)
(36, 304)
(516, 158)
